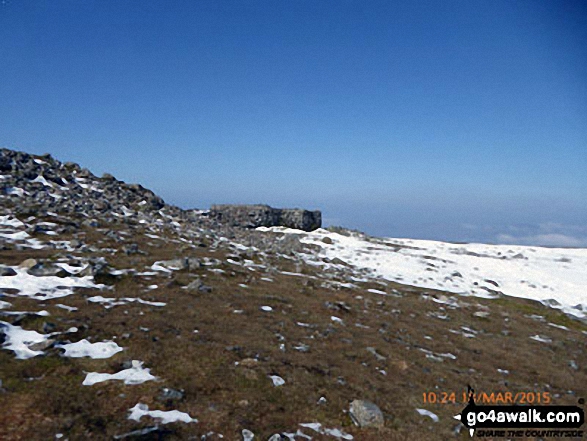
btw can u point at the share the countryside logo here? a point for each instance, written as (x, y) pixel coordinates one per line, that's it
(516, 420)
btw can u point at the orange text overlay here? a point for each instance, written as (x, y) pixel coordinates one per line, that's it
(450, 397)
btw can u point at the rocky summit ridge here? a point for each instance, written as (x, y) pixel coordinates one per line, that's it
(43, 183)
(40, 185)
(126, 318)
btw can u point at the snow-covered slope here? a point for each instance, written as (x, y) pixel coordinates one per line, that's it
(554, 276)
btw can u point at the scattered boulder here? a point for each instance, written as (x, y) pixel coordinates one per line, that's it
(248, 435)
(100, 271)
(184, 263)
(47, 269)
(366, 414)
(198, 286)
(253, 216)
(27, 263)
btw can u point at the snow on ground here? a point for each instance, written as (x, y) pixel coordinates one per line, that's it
(427, 413)
(136, 374)
(171, 416)
(337, 433)
(110, 302)
(19, 340)
(555, 276)
(44, 288)
(10, 221)
(277, 380)
(84, 348)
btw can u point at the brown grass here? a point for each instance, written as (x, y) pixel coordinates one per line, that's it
(44, 396)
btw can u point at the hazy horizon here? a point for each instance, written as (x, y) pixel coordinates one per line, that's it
(457, 121)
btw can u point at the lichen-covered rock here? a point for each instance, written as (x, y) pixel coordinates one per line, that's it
(366, 414)
(253, 216)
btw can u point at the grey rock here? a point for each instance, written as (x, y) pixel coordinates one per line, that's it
(168, 394)
(131, 249)
(366, 414)
(185, 263)
(97, 268)
(42, 345)
(253, 216)
(6, 271)
(76, 243)
(199, 286)
(91, 223)
(248, 435)
(152, 432)
(377, 355)
(48, 327)
(47, 269)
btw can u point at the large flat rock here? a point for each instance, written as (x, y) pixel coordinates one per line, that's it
(253, 216)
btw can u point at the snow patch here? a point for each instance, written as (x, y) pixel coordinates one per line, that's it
(171, 416)
(537, 273)
(84, 348)
(19, 340)
(134, 375)
(427, 413)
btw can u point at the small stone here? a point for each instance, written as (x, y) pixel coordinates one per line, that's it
(277, 380)
(168, 394)
(28, 263)
(377, 355)
(42, 345)
(48, 327)
(366, 414)
(199, 286)
(248, 362)
(130, 249)
(6, 271)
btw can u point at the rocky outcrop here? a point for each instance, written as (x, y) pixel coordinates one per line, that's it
(75, 198)
(253, 216)
(41, 183)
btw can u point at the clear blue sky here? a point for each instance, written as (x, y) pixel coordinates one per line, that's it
(456, 120)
